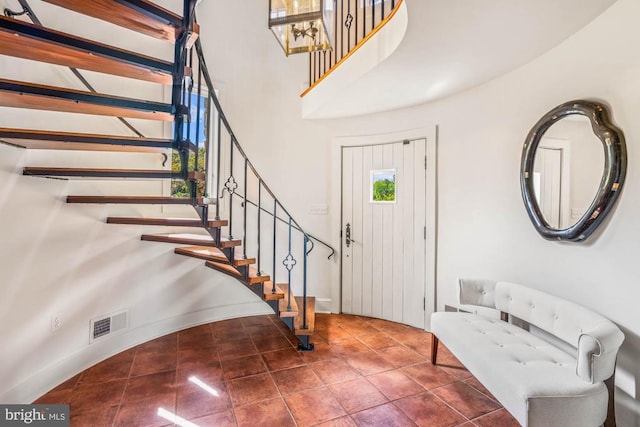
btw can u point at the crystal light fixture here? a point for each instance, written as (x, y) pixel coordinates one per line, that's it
(302, 26)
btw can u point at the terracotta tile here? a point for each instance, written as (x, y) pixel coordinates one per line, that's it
(499, 418)
(334, 333)
(428, 376)
(465, 399)
(401, 356)
(197, 337)
(473, 382)
(359, 328)
(458, 373)
(339, 422)
(256, 320)
(282, 359)
(243, 366)
(314, 406)
(152, 362)
(421, 346)
(195, 357)
(263, 331)
(165, 343)
(357, 395)
(426, 410)
(350, 347)
(296, 379)
(369, 363)
(147, 386)
(267, 413)
(270, 343)
(195, 401)
(54, 397)
(68, 384)
(146, 412)
(227, 325)
(210, 374)
(114, 368)
(238, 348)
(229, 335)
(378, 340)
(103, 417)
(382, 416)
(334, 371)
(395, 384)
(322, 351)
(87, 397)
(220, 419)
(253, 389)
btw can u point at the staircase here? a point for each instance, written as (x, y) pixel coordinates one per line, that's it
(240, 226)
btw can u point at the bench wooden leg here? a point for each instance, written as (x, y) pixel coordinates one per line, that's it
(611, 410)
(434, 348)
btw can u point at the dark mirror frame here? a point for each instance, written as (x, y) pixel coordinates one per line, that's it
(615, 167)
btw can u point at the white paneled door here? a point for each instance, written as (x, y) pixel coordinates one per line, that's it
(384, 231)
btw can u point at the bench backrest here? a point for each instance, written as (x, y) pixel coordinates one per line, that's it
(596, 338)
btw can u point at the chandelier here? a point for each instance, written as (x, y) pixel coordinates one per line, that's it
(302, 26)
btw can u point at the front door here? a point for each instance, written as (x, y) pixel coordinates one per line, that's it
(384, 231)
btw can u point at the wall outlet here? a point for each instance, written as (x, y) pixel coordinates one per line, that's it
(56, 323)
(318, 209)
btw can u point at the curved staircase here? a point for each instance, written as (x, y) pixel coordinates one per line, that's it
(251, 209)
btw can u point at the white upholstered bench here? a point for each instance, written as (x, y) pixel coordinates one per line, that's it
(549, 371)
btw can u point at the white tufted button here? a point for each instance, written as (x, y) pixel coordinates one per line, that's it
(524, 363)
(556, 317)
(483, 292)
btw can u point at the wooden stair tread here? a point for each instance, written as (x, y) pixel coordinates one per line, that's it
(207, 253)
(28, 41)
(138, 200)
(42, 97)
(98, 173)
(189, 239)
(311, 316)
(171, 222)
(269, 294)
(283, 304)
(255, 279)
(224, 268)
(157, 24)
(51, 140)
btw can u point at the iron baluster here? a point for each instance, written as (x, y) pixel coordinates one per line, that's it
(196, 166)
(259, 222)
(289, 262)
(347, 23)
(207, 143)
(275, 218)
(244, 213)
(304, 282)
(373, 14)
(231, 186)
(218, 150)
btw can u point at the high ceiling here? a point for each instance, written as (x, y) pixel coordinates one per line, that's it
(453, 45)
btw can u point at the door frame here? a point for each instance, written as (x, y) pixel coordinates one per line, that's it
(430, 134)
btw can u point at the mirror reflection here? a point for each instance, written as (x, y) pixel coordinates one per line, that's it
(568, 167)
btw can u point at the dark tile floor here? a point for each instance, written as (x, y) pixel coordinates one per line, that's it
(247, 372)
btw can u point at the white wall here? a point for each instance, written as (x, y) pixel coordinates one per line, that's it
(483, 229)
(63, 260)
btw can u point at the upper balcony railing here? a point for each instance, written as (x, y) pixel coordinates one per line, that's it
(355, 22)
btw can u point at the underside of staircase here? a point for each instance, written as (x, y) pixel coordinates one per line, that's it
(26, 38)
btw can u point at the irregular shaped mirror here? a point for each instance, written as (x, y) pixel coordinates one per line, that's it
(572, 170)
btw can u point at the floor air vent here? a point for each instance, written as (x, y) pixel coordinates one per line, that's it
(104, 325)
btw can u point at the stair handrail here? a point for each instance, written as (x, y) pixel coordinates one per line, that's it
(231, 185)
(323, 63)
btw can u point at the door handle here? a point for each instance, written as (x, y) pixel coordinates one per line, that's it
(347, 235)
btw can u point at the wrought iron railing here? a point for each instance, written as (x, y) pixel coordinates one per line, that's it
(268, 232)
(355, 21)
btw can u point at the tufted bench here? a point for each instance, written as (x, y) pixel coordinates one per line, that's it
(549, 371)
